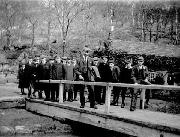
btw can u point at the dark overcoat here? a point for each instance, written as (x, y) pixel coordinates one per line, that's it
(126, 75)
(104, 72)
(84, 68)
(23, 78)
(58, 71)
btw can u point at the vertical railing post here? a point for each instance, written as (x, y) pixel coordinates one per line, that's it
(142, 98)
(61, 90)
(108, 98)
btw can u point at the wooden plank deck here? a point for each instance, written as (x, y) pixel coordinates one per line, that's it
(141, 123)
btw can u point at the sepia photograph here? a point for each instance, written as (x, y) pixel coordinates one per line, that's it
(89, 68)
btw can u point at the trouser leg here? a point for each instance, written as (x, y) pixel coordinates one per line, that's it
(70, 93)
(147, 96)
(97, 92)
(82, 97)
(134, 99)
(22, 90)
(64, 93)
(123, 93)
(103, 94)
(40, 94)
(91, 96)
(75, 90)
(116, 92)
(29, 90)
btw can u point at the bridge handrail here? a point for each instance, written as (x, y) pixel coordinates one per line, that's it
(152, 86)
(109, 87)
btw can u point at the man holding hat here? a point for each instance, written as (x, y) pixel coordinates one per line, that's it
(83, 71)
(140, 76)
(97, 78)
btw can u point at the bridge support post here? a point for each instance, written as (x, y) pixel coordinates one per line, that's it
(142, 98)
(108, 98)
(61, 90)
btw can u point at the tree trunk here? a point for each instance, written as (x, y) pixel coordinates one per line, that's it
(33, 33)
(8, 38)
(48, 36)
(143, 30)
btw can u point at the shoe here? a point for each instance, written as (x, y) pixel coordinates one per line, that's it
(146, 106)
(46, 99)
(95, 107)
(82, 106)
(23, 93)
(132, 109)
(101, 103)
(113, 103)
(122, 105)
(75, 99)
(34, 95)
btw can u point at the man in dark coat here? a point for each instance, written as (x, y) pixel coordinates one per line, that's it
(126, 77)
(29, 67)
(75, 87)
(83, 71)
(69, 76)
(22, 76)
(44, 75)
(35, 75)
(97, 78)
(115, 72)
(57, 74)
(51, 85)
(105, 74)
(140, 76)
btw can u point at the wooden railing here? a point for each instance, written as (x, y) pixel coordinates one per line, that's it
(109, 87)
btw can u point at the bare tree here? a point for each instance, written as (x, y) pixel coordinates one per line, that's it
(66, 12)
(9, 17)
(32, 14)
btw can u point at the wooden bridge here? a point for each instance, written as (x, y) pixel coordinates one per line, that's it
(141, 123)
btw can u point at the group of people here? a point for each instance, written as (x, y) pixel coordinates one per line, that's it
(83, 69)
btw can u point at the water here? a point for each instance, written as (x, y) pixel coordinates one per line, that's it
(50, 127)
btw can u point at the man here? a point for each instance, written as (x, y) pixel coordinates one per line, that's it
(97, 78)
(140, 76)
(83, 71)
(29, 67)
(22, 76)
(51, 85)
(58, 74)
(44, 75)
(126, 77)
(75, 87)
(105, 74)
(115, 72)
(69, 76)
(35, 75)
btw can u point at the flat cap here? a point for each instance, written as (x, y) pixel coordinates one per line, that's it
(140, 58)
